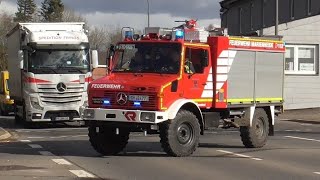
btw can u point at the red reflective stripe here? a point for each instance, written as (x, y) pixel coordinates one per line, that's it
(87, 79)
(35, 80)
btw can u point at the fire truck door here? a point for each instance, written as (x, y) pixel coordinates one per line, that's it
(195, 75)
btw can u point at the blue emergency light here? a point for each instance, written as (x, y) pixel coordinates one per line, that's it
(137, 103)
(106, 102)
(128, 35)
(179, 34)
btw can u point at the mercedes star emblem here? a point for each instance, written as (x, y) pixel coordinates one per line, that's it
(61, 87)
(121, 98)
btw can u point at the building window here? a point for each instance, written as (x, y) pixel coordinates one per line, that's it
(291, 9)
(251, 14)
(240, 20)
(301, 59)
(309, 7)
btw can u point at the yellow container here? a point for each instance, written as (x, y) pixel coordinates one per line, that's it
(6, 103)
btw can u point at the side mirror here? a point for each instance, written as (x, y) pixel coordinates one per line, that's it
(20, 59)
(110, 55)
(204, 58)
(94, 59)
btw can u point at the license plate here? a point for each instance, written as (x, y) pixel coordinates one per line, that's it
(138, 98)
(62, 118)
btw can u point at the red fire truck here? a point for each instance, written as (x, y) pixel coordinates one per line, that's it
(181, 83)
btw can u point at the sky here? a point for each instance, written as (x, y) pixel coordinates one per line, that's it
(133, 13)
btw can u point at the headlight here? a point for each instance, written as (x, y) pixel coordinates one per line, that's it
(88, 113)
(147, 116)
(35, 103)
(7, 97)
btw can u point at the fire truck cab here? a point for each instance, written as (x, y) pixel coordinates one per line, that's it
(181, 82)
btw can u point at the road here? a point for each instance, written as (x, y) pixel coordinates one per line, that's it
(65, 153)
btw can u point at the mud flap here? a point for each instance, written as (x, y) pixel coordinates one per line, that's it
(246, 120)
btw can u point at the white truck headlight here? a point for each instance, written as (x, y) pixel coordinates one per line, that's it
(148, 116)
(88, 113)
(35, 103)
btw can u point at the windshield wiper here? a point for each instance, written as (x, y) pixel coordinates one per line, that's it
(49, 68)
(75, 70)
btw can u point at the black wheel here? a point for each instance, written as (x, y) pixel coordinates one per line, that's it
(17, 118)
(106, 141)
(180, 136)
(257, 135)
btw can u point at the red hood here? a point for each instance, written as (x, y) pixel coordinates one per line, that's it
(129, 82)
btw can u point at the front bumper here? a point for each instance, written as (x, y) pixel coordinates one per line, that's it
(121, 115)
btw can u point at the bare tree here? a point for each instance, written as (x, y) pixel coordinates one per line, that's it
(70, 15)
(6, 24)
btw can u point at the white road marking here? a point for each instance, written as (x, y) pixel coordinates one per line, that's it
(35, 146)
(82, 174)
(240, 155)
(80, 136)
(291, 130)
(57, 137)
(61, 161)
(317, 173)
(305, 124)
(301, 138)
(35, 137)
(46, 153)
(25, 140)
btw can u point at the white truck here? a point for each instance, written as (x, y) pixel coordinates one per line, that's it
(50, 66)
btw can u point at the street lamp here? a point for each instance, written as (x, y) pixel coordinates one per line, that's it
(148, 13)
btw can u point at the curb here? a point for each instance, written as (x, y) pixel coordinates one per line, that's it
(6, 134)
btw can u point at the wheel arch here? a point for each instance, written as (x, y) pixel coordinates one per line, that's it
(189, 106)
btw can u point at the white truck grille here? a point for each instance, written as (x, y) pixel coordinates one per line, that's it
(49, 94)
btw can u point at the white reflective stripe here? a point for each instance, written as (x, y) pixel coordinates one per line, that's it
(222, 70)
(219, 86)
(224, 53)
(222, 77)
(209, 78)
(209, 85)
(207, 93)
(223, 62)
(232, 54)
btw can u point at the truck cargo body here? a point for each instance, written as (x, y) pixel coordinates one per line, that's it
(49, 66)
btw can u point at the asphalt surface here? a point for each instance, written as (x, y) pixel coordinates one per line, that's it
(63, 152)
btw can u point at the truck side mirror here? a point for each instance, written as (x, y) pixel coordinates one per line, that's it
(94, 59)
(109, 57)
(204, 58)
(20, 59)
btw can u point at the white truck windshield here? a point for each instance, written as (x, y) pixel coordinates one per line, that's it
(148, 57)
(59, 60)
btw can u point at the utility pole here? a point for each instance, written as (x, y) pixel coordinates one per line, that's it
(148, 13)
(277, 18)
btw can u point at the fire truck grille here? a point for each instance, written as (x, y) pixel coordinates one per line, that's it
(49, 95)
(151, 104)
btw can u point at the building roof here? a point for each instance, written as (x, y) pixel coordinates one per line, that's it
(227, 3)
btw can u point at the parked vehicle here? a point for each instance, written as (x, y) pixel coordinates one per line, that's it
(50, 68)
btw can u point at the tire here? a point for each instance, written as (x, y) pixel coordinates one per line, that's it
(107, 142)
(180, 136)
(257, 135)
(17, 118)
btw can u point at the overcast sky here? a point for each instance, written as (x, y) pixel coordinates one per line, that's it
(133, 13)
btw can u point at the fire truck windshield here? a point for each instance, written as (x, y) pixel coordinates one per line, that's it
(148, 57)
